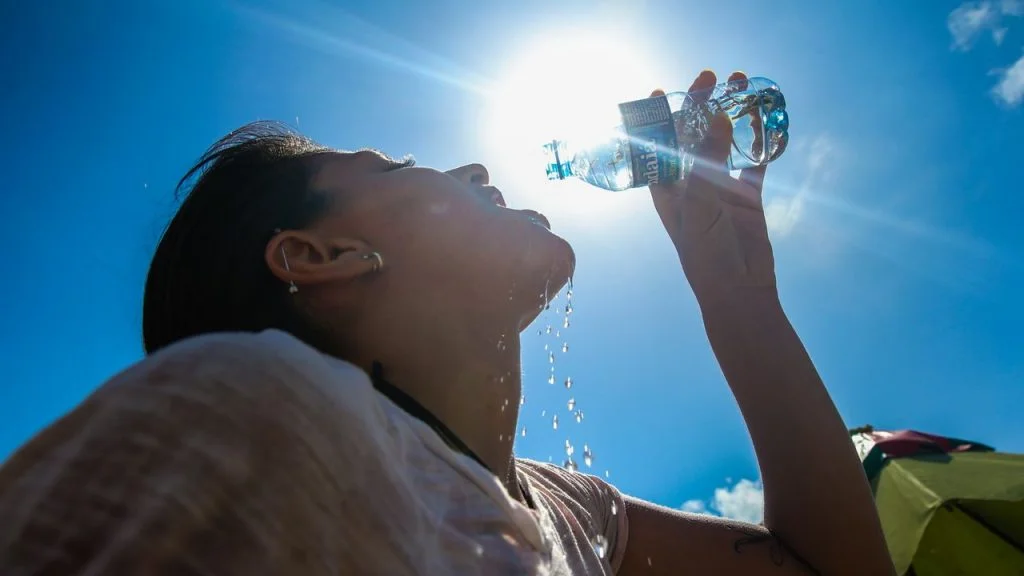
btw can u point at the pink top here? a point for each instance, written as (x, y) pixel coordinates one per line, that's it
(243, 454)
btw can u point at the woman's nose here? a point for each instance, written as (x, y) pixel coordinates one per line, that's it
(472, 174)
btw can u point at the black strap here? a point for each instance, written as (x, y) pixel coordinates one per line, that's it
(416, 410)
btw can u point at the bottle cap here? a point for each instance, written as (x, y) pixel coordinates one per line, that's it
(559, 162)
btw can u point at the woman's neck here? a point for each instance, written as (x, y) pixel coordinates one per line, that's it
(467, 378)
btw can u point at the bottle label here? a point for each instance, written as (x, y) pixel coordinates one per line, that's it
(654, 151)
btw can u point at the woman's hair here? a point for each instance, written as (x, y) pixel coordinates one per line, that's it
(209, 272)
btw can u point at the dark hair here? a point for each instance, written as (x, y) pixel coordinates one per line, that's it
(208, 273)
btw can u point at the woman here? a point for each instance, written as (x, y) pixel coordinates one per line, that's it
(332, 346)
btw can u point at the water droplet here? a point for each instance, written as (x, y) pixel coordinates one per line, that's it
(570, 465)
(565, 347)
(606, 473)
(547, 330)
(523, 432)
(615, 508)
(551, 378)
(569, 449)
(551, 357)
(588, 459)
(579, 416)
(554, 422)
(571, 404)
(558, 334)
(648, 560)
(565, 323)
(506, 401)
(501, 437)
(568, 309)
(568, 383)
(546, 347)
(600, 545)
(543, 412)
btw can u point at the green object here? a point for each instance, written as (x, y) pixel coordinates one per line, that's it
(952, 513)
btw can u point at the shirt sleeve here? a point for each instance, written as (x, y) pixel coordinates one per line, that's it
(596, 504)
(226, 454)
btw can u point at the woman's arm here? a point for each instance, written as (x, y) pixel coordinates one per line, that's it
(819, 512)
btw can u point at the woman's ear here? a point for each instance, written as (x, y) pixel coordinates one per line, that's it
(304, 259)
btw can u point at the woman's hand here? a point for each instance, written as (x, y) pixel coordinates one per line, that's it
(716, 221)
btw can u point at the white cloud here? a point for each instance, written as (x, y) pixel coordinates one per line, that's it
(1010, 88)
(742, 501)
(694, 507)
(970, 20)
(783, 212)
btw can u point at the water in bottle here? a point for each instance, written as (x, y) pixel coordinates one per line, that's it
(660, 136)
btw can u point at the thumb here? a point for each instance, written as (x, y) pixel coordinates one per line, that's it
(715, 149)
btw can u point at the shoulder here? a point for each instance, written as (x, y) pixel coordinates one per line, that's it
(249, 368)
(582, 504)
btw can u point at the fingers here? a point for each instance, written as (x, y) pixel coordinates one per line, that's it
(754, 177)
(702, 85)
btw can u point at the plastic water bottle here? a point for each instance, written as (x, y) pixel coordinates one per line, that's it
(659, 137)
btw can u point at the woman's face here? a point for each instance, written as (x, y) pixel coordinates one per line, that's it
(447, 233)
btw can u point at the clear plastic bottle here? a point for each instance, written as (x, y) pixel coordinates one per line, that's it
(659, 136)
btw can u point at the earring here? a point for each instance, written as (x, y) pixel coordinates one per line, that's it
(378, 264)
(292, 288)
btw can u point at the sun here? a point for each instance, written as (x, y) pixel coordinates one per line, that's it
(561, 84)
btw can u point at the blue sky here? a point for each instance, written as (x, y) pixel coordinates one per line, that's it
(895, 213)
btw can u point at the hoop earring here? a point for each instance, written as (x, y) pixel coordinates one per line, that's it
(379, 260)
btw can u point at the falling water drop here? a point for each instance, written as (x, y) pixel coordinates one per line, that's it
(551, 357)
(571, 403)
(565, 322)
(569, 448)
(523, 434)
(522, 399)
(606, 474)
(565, 347)
(579, 416)
(558, 334)
(588, 459)
(547, 329)
(600, 545)
(546, 347)
(570, 465)
(615, 508)
(568, 309)
(554, 422)
(551, 378)
(543, 413)
(568, 383)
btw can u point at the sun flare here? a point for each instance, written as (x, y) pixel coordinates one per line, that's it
(564, 84)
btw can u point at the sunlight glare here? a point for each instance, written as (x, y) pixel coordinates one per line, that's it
(566, 84)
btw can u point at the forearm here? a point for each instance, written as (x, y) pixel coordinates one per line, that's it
(817, 499)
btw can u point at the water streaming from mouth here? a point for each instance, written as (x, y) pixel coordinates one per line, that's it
(552, 332)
